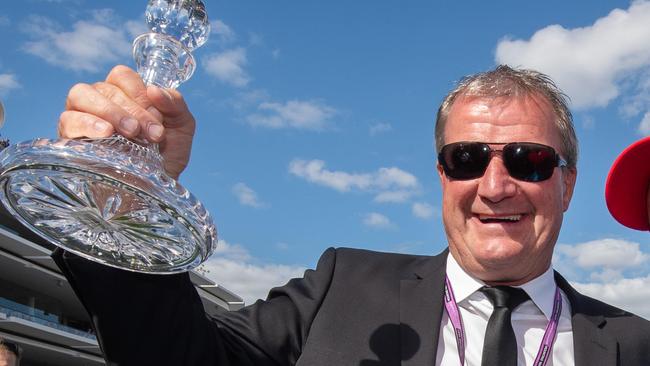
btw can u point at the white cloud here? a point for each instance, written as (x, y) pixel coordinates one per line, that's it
(223, 31)
(314, 171)
(233, 267)
(228, 67)
(135, 28)
(398, 196)
(377, 220)
(424, 210)
(388, 177)
(244, 100)
(390, 184)
(310, 115)
(608, 253)
(592, 64)
(380, 128)
(644, 125)
(631, 294)
(233, 252)
(607, 261)
(89, 46)
(246, 195)
(8, 82)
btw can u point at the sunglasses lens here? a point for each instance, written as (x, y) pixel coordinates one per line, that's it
(529, 162)
(464, 160)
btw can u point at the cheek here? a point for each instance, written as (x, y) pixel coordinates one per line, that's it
(549, 208)
(458, 197)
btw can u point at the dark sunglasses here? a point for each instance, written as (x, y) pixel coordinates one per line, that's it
(524, 161)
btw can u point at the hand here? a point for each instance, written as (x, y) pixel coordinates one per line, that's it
(123, 104)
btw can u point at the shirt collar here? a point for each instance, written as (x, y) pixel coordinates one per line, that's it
(541, 289)
(462, 283)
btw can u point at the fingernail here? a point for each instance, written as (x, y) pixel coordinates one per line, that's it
(155, 131)
(129, 124)
(101, 126)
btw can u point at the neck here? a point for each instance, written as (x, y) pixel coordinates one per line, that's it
(499, 276)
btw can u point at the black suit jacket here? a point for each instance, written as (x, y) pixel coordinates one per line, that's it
(357, 308)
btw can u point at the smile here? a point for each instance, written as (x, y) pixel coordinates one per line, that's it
(499, 218)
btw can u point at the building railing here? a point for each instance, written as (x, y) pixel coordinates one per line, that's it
(40, 317)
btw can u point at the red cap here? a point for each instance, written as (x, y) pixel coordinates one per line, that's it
(627, 186)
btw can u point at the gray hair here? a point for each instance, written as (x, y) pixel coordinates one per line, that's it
(507, 81)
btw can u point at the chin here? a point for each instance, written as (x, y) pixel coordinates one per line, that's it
(500, 250)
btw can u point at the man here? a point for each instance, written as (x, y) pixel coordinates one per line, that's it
(9, 353)
(507, 166)
(627, 190)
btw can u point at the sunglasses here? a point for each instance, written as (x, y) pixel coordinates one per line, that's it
(525, 161)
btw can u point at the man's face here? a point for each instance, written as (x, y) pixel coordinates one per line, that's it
(7, 358)
(494, 250)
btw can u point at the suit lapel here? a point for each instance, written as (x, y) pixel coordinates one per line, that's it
(591, 343)
(421, 306)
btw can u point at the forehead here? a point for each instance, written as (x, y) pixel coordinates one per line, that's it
(502, 119)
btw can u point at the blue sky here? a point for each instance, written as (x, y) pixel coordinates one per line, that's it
(315, 118)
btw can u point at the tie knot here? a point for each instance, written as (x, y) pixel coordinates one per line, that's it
(505, 296)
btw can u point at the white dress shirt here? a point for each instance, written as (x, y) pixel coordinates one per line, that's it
(529, 320)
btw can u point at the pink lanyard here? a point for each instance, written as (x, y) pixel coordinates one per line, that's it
(544, 352)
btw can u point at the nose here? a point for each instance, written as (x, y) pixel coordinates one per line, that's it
(496, 184)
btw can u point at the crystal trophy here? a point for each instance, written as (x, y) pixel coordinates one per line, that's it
(110, 200)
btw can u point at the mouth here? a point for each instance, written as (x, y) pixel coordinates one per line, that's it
(499, 219)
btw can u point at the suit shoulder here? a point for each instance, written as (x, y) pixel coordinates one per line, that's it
(621, 322)
(352, 259)
(355, 253)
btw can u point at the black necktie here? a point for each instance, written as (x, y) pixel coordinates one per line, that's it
(500, 346)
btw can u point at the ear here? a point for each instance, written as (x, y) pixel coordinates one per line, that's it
(569, 176)
(441, 174)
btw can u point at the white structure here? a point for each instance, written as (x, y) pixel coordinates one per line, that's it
(39, 311)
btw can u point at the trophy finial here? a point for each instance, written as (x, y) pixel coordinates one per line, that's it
(163, 57)
(184, 20)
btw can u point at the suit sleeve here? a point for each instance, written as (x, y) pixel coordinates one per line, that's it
(143, 319)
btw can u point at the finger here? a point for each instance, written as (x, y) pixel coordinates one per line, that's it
(172, 105)
(156, 113)
(84, 98)
(149, 118)
(75, 124)
(130, 83)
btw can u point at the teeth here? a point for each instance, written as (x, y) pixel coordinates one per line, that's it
(503, 218)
